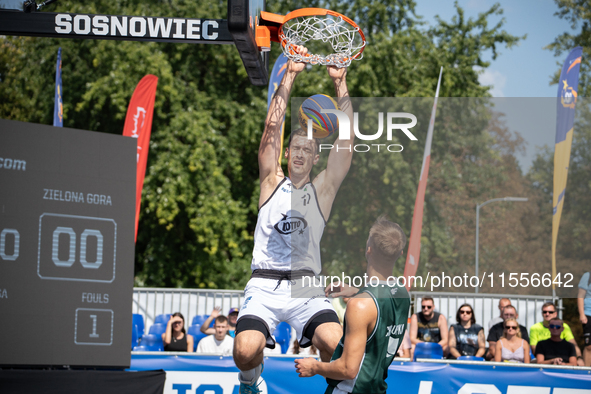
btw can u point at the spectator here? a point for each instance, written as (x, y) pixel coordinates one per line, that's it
(496, 332)
(556, 350)
(503, 302)
(584, 305)
(428, 325)
(175, 338)
(540, 331)
(466, 338)
(232, 317)
(511, 347)
(405, 347)
(220, 342)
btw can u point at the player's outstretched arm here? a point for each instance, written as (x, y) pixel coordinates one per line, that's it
(270, 172)
(205, 327)
(341, 155)
(360, 317)
(340, 290)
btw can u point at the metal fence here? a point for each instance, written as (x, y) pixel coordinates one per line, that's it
(151, 302)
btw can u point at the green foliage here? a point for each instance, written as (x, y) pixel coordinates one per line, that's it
(578, 14)
(199, 202)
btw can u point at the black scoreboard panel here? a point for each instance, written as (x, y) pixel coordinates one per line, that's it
(67, 207)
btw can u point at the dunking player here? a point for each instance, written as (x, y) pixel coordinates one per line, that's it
(292, 215)
(375, 321)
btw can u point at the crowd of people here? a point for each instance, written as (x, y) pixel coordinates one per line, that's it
(549, 341)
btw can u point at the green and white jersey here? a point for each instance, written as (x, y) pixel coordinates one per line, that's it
(392, 303)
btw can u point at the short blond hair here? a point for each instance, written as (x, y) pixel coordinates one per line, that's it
(387, 239)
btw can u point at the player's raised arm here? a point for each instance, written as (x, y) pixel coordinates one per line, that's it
(339, 159)
(270, 172)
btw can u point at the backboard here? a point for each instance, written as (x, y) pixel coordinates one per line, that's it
(243, 19)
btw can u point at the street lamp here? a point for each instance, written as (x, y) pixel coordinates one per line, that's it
(520, 199)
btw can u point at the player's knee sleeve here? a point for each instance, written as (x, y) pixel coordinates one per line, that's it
(252, 323)
(325, 317)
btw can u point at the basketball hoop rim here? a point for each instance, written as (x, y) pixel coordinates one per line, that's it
(276, 22)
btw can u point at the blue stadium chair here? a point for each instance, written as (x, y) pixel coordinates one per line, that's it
(140, 349)
(157, 329)
(428, 350)
(134, 336)
(199, 319)
(195, 331)
(163, 318)
(282, 336)
(152, 343)
(138, 320)
(471, 358)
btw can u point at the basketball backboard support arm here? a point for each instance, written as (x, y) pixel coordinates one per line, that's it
(138, 28)
(243, 20)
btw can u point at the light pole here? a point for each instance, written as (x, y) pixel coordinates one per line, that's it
(521, 199)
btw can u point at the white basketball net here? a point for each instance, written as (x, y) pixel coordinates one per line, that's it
(345, 40)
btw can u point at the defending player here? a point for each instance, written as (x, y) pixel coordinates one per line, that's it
(292, 215)
(375, 321)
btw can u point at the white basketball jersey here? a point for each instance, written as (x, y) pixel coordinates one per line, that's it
(289, 228)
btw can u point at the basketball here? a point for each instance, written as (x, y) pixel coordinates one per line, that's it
(323, 125)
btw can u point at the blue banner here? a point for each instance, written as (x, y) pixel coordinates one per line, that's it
(215, 374)
(58, 107)
(565, 119)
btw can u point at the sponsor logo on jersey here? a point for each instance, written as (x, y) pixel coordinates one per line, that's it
(289, 225)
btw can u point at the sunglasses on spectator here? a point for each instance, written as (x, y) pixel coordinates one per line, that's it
(426, 306)
(555, 326)
(511, 327)
(548, 312)
(464, 312)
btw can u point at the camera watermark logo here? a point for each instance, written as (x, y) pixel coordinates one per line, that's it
(391, 126)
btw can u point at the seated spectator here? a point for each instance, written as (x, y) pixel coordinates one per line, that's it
(466, 338)
(405, 346)
(428, 325)
(496, 332)
(175, 338)
(556, 350)
(220, 342)
(232, 317)
(511, 347)
(540, 331)
(503, 302)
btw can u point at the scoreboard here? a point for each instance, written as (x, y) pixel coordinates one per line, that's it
(67, 210)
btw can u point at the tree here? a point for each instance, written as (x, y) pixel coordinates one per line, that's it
(578, 13)
(199, 202)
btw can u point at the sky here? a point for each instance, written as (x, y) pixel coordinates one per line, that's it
(523, 71)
